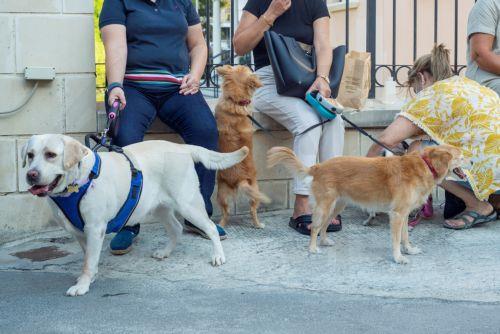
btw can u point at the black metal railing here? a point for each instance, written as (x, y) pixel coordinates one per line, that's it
(210, 80)
(394, 68)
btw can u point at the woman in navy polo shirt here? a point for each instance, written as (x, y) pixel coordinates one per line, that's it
(155, 57)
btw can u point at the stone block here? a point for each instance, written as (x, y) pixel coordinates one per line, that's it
(79, 92)
(65, 42)
(277, 191)
(351, 143)
(78, 6)
(262, 142)
(8, 173)
(7, 45)
(44, 113)
(37, 6)
(24, 213)
(371, 118)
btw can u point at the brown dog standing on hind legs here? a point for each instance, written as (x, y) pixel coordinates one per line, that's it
(395, 185)
(236, 130)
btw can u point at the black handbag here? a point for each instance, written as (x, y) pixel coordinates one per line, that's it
(294, 67)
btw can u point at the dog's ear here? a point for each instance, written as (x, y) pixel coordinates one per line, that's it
(224, 70)
(254, 81)
(440, 158)
(73, 152)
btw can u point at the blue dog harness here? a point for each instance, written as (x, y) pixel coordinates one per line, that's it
(70, 205)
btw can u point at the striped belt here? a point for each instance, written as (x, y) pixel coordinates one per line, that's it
(153, 78)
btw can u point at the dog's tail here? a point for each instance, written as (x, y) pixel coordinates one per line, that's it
(215, 160)
(253, 193)
(284, 156)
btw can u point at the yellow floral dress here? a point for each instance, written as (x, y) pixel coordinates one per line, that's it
(460, 112)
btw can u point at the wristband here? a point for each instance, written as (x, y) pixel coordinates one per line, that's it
(113, 85)
(324, 77)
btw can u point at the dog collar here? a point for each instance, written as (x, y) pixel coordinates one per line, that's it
(244, 103)
(431, 167)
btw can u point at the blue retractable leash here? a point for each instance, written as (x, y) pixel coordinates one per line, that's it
(70, 204)
(328, 111)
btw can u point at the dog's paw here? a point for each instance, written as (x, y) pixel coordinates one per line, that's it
(401, 259)
(412, 250)
(259, 225)
(314, 250)
(77, 290)
(218, 260)
(326, 242)
(160, 254)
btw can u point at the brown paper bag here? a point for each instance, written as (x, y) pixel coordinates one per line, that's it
(355, 84)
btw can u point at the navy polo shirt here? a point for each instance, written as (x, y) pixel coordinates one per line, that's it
(156, 32)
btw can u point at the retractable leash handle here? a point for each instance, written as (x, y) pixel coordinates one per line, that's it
(113, 115)
(322, 105)
(114, 109)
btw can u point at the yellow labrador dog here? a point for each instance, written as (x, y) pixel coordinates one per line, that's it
(170, 186)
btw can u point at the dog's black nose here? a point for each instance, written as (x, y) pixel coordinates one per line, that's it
(32, 176)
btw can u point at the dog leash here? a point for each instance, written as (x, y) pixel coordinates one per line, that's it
(363, 132)
(359, 129)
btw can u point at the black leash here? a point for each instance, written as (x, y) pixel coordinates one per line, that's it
(269, 132)
(361, 130)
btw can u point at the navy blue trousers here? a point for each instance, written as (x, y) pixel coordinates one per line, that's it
(188, 115)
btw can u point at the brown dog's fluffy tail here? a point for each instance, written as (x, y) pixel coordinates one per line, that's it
(284, 156)
(252, 192)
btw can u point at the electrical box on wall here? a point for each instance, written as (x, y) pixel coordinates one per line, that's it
(39, 73)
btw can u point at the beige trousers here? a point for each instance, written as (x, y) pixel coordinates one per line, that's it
(317, 145)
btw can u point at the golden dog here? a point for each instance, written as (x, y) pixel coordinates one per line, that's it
(235, 130)
(395, 185)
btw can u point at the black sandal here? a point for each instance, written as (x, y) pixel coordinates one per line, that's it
(301, 224)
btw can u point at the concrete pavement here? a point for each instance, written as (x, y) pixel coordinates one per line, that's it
(269, 284)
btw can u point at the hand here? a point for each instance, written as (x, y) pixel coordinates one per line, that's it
(322, 86)
(117, 94)
(190, 85)
(277, 8)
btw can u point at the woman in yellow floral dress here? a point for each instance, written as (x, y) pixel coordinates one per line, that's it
(460, 112)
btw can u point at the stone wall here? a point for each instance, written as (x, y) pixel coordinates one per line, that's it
(45, 33)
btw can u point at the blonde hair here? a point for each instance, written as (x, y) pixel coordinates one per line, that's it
(437, 64)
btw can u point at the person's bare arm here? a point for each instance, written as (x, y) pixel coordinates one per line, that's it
(198, 56)
(323, 51)
(251, 29)
(399, 130)
(115, 45)
(481, 48)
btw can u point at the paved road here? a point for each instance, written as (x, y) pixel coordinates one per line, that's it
(32, 302)
(270, 284)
